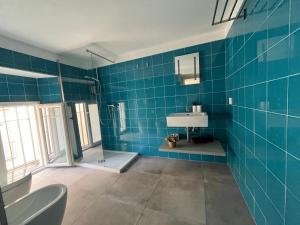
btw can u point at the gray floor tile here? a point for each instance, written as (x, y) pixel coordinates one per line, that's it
(134, 187)
(97, 182)
(154, 191)
(182, 198)
(78, 202)
(109, 211)
(184, 169)
(217, 172)
(151, 217)
(150, 165)
(225, 205)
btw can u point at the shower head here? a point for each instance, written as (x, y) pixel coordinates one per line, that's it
(91, 78)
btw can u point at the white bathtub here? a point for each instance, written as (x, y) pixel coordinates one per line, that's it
(16, 189)
(45, 206)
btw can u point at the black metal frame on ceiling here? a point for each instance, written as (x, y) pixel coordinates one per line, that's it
(242, 13)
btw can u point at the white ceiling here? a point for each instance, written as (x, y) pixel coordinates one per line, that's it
(117, 29)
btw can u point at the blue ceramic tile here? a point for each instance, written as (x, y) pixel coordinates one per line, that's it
(259, 49)
(4, 89)
(16, 89)
(260, 96)
(277, 96)
(293, 184)
(32, 98)
(170, 95)
(17, 98)
(217, 46)
(261, 149)
(278, 60)
(30, 90)
(6, 57)
(15, 79)
(276, 192)
(250, 73)
(204, 49)
(278, 16)
(188, 50)
(22, 61)
(276, 161)
(270, 212)
(218, 59)
(206, 74)
(276, 130)
(260, 173)
(31, 81)
(250, 52)
(51, 67)
(168, 57)
(38, 64)
(3, 78)
(217, 72)
(260, 68)
(294, 103)
(219, 85)
(157, 59)
(259, 216)
(294, 53)
(294, 17)
(261, 123)
(292, 215)
(293, 138)
(249, 97)
(206, 61)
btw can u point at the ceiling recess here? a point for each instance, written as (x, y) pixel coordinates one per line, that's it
(228, 10)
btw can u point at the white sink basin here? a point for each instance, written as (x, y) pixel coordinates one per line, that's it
(187, 120)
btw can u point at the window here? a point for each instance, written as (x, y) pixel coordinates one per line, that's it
(122, 115)
(82, 120)
(88, 124)
(20, 138)
(94, 121)
(53, 128)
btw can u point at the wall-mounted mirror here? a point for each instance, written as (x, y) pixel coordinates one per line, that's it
(187, 67)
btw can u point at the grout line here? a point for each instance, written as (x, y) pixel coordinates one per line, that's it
(147, 201)
(256, 30)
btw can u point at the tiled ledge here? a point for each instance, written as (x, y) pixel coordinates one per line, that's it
(213, 148)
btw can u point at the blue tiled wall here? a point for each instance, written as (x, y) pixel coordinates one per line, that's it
(46, 90)
(150, 91)
(78, 92)
(263, 78)
(15, 89)
(49, 90)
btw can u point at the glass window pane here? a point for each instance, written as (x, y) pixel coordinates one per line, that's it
(15, 143)
(27, 141)
(10, 113)
(94, 121)
(22, 112)
(82, 126)
(17, 138)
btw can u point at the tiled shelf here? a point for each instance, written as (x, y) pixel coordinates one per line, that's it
(213, 148)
